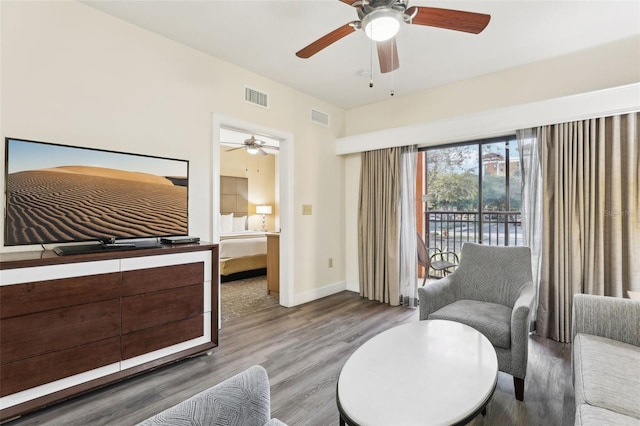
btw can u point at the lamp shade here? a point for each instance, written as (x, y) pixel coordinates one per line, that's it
(263, 209)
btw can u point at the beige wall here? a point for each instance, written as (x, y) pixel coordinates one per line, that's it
(74, 75)
(610, 65)
(261, 174)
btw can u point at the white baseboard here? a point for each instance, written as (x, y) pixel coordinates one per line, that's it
(319, 293)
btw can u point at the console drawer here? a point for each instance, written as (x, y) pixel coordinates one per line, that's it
(161, 307)
(28, 373)
(31, 335)
(154, 338)
(27, 298)
(161, 278)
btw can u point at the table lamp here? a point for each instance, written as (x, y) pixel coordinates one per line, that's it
(263, 210)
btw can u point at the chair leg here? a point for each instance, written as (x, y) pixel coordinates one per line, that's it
(518, 386)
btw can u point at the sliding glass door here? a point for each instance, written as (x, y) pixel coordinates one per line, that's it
(471, 192)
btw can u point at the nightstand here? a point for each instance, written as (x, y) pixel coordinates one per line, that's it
(273, 263)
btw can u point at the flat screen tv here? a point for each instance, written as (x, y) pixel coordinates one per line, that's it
(60, 194)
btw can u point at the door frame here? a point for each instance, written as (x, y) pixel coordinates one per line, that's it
(284, 190)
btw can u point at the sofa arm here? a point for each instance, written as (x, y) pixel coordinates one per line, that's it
(520, 326)
(436, 295)
(244, 397)
(611, 317)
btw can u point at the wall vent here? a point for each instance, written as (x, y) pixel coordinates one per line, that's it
(319, 117)
(256, 97)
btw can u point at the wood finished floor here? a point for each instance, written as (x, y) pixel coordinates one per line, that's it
(303, 349)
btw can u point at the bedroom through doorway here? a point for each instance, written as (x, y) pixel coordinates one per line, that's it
(249, 212)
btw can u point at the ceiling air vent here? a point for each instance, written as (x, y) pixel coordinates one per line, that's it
(320, 117)
(256, 97)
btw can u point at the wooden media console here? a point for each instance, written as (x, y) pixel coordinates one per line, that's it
(70, 324)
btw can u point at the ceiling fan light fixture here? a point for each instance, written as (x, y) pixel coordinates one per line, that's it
(382, 24)
(252, 150)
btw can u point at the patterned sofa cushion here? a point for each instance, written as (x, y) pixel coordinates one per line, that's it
(241, 400)
(491, 319)
(606, 374)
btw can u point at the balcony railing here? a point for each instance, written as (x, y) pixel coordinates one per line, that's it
(448, 230)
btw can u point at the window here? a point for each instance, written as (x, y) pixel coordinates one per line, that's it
(472, 192)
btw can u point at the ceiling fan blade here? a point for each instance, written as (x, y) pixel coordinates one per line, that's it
(261, 151)
(325, 41)
(457, 20)
(388, 55)
(234, 149)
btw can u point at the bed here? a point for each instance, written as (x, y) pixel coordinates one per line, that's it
(243, 253)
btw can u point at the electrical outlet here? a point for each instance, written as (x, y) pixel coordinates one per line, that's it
(331, 262)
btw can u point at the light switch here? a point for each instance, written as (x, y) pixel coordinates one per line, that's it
(306, 209)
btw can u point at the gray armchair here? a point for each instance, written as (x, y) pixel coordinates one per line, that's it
(242, 400)
(491, 291)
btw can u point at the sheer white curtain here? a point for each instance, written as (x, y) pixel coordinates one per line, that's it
(529, 149)
(408, 247)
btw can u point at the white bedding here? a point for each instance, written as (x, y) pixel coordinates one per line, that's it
(239, 244)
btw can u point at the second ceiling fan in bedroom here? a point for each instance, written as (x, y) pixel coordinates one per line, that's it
(381, 21)
(253, 146)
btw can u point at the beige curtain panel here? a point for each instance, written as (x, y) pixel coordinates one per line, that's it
(379, 225)
(591, 215)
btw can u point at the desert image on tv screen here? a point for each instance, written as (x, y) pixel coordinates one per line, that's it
(57, 193)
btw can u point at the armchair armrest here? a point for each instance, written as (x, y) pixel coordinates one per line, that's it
(520, 315)
(435, 295)
(611, 317)
(520, 318)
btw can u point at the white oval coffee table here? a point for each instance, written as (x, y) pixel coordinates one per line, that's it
(430, 372)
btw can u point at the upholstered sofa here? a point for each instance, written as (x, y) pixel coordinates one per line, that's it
(606, 360)
(241, 400)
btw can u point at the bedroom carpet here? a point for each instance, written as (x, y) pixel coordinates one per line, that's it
(242, 297)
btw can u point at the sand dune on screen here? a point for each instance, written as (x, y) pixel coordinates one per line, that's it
(81, 203)
(111, 173)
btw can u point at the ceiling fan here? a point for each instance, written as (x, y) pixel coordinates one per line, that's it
(381, 21)
(252, 146)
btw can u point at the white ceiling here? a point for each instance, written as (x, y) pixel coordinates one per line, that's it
(262, 36)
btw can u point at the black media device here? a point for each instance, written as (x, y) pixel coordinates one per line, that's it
(180, 240)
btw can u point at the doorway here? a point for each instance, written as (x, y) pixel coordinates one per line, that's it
(249, 216)
(283, 192)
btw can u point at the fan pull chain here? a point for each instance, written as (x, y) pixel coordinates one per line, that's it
(393, 73)
(371, 64)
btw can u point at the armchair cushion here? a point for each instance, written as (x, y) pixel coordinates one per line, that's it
(491, 319)
(492, 273)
